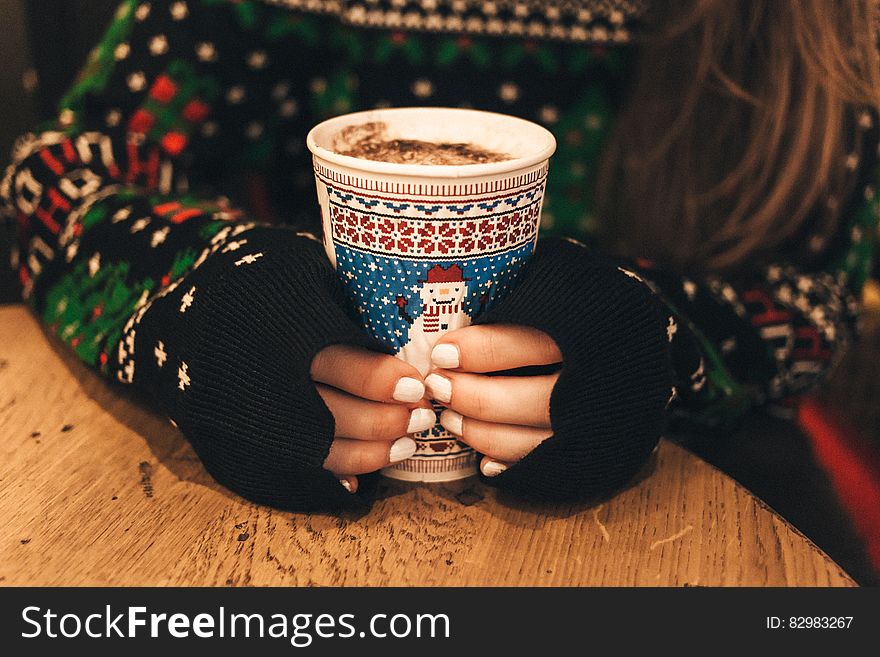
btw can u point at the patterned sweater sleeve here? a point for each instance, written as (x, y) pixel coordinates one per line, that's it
(156, 285)
(101, 195)
(772, 336)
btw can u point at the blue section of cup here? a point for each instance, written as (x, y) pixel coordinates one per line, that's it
(375, 284)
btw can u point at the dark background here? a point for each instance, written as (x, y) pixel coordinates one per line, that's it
(42, 45)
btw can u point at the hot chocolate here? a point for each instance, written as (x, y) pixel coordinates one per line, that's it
(369, 141)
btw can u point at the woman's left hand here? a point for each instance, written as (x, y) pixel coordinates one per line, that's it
(502, 417)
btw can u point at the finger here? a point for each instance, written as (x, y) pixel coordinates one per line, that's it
(362, 419)
(354, 457)
(350, 483)
(491, 468)
(368, 374)
(492, 348)
(507, 443)
(506, 399)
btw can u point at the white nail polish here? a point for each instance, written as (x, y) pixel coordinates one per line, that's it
(409, 390)
(440, 387)
(346, 484)
(421, 419)
(402, 449)
(493, 468)
(453, 422)
(445, 356)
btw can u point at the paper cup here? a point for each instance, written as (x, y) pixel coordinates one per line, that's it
(425, 249)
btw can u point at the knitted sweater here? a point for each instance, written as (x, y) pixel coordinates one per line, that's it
(128, 255)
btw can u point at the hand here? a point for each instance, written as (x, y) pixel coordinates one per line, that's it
(376, 400)
(502, 417)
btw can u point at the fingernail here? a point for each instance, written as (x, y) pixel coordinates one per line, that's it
(421, 419)
(346, 484)
(493, 468)
(402, 449)
(440, 387)
(408, 389)
(453, 422)
(445, 356)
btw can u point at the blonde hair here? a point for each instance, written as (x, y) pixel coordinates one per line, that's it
(737, 131)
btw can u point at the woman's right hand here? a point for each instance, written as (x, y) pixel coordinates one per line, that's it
(376, 401)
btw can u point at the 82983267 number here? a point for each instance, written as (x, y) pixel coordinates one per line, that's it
(809, 622)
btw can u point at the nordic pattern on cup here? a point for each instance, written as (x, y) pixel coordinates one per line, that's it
(418, 265)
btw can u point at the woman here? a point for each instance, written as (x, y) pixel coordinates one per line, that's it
(734, 144)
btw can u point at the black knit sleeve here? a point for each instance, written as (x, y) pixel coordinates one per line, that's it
(226, 351)
(607, 409)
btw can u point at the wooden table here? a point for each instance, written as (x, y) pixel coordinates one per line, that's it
(98, 490)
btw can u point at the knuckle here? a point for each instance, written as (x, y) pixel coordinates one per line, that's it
(479, 402)
(488, 344)
(550, 349)
(323, 361)
(387, 423)
(370, 457)
(482, 435)
(382, 375)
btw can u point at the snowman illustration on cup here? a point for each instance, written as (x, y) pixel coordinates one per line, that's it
(442, 299)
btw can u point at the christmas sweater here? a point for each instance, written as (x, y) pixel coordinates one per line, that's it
(128, 254)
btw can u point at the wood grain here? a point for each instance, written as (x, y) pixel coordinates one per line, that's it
(96, 489)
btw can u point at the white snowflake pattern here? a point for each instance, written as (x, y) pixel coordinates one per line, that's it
(126, 374)
(509, 92)
(94, 264)
(258, 59)
(422, 88)
(160, 353)
(235, 95)
(121, 51)
(187, 299)
(159, 236)
(631, 274)
(136, 81)
(143, 11)
(122, 214)
(113, 118)
(288, 108)
(129, 340)
(206, 52)
(234, 245)
(179, 10)
(139, 225)
(698, 378)
(548, 114)
(183, 380)
(249, 259)
(158, 45)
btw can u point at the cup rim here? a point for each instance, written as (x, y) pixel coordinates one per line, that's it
(442, 171)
